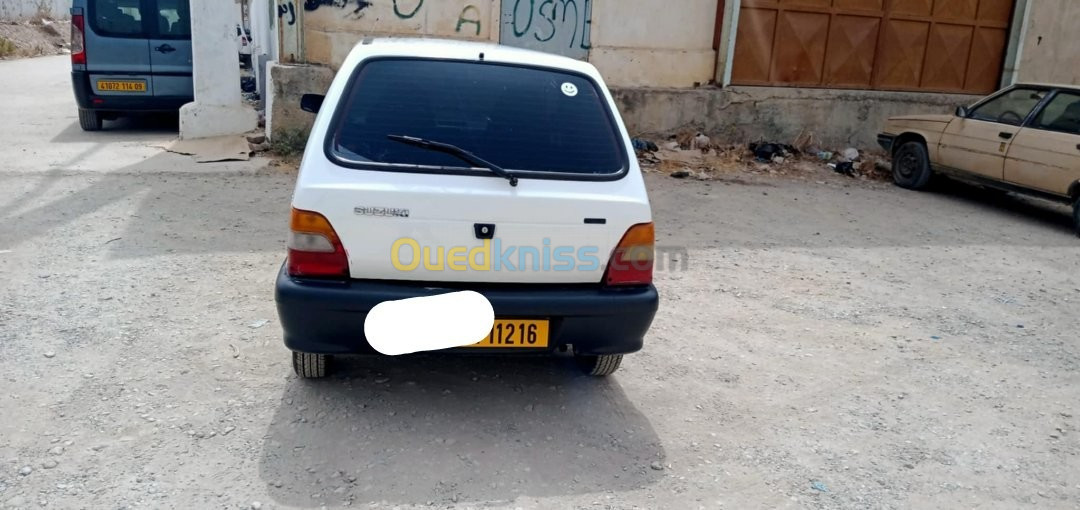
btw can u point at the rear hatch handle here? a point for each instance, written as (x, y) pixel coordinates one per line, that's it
(165, 48)
(457, 152)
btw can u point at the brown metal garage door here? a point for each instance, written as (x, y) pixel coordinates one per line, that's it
(931, 45)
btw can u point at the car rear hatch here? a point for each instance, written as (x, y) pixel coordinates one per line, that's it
(118, 48)
(404, 212)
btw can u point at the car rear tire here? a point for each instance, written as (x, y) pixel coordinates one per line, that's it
(1076, 217)
(310, 366)
(89, 120)
(599, 366)
(911, 166)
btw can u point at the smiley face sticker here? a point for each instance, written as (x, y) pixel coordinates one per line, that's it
(569, 89)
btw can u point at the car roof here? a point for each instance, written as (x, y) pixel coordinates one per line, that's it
(1049, 85)
(462, 50)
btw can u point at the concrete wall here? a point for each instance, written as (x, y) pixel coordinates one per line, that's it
(633, 42)
(19, 10)
(1051, 44)
(836, 118)
(333, 27)
(645, 43)
(288, 83)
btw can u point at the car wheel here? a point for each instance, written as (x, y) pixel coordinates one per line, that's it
(1076, 217)
(911, 166)
(89, 120)
(599, 365)
(310, 366)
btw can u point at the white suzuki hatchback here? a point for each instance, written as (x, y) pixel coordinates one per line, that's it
(435, 167)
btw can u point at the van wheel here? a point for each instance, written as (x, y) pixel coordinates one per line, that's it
(599, 366)
(89, 120)
(911, 166)
(310, 366)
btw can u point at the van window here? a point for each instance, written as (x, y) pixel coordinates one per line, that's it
(174, 19)
(121, 18)
(521, 118)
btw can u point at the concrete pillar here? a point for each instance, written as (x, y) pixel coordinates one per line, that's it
(726, 54)
(218, 108)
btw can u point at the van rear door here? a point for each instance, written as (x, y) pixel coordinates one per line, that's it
(118, 48)
(170, 48)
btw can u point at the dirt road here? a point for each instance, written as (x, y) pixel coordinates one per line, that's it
(831, 344)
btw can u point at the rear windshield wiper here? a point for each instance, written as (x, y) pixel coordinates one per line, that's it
(457, 152)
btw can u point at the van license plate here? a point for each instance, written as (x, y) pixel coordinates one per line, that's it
(516, 334)
(121, 86)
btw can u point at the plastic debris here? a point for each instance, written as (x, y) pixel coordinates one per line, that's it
(844, 168)
(818, 486)
(766, 151)
(851, 154)
(644, 145)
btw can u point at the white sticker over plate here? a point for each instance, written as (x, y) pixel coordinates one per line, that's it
(569, 89)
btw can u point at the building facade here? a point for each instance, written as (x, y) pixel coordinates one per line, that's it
(726, 65)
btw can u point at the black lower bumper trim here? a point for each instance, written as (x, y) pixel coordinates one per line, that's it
(328, 317)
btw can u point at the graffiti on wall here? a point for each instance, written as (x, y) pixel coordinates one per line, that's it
(554, 26)
(470, 21)
(286, 11)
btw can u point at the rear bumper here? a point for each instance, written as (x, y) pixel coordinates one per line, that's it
(886, 141)
(87, 100)
(328, 317)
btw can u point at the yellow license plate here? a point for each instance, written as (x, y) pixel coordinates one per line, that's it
(121, 86)
(516, 334)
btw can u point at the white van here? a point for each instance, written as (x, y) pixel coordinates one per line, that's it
(437, 166)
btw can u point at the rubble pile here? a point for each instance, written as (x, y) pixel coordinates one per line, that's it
(693, 155)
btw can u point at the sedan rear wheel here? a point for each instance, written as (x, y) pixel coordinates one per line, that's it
(911, 166)
(1076, 216)
(599, 366)
(310, 366)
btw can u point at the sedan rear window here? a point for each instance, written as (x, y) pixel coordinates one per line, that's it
(523, 119)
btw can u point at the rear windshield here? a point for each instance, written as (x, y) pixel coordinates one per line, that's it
(521, 118)
(116, 17)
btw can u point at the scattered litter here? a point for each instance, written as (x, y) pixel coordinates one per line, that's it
(681, 174)
(209, 150)
(50, 354)
(825, 155)
(640, 145)
(258, 324)
(701, 142)
(113, 240)
(236, 352)
(766, 151)
(818, 486)
(4, 251)
(851, 154)
(935, 338)
(672, 146)
(382, 379)
(247, 83)
(656, 466)
(844, 168)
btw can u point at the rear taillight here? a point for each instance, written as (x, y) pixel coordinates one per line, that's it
(315, 251)
(78, 40)
(632, 261)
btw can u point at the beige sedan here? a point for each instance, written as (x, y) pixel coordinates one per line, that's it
(1024, 139)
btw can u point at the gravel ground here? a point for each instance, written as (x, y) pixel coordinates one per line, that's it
(832, 344)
